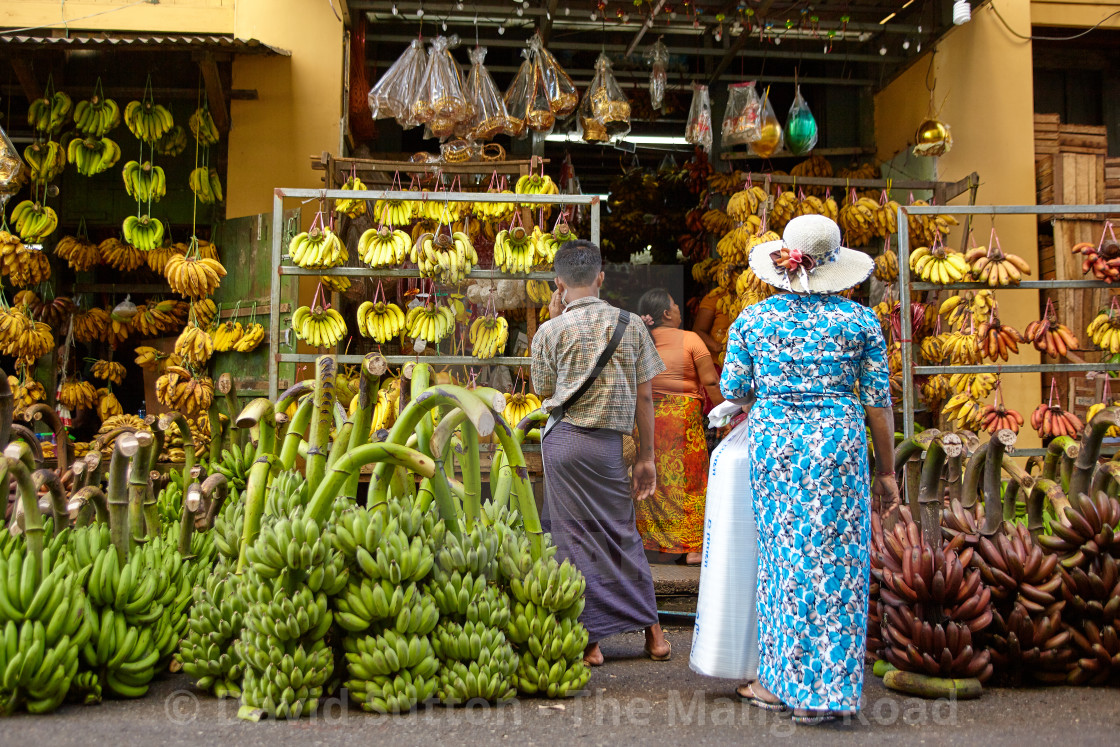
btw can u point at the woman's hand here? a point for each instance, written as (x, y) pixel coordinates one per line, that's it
(644, 479)
(886, 493)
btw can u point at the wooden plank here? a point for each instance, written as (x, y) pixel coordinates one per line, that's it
(214, 95)
(27, 80)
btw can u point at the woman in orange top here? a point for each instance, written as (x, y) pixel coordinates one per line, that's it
(711, 324)
(673, 520)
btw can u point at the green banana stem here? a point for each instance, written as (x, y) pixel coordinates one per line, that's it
(929, 492)
(165, 422)
(519, 472)
(503, 484)
(160, 437)
(420, 382)
(363, 419)
(87, 495)
(297, 430)
(152, 524)
(186, 519)
(94, 466)
(912, 447)
(973, 470)
(215, 492)
(529, 422)
(341, 442)
(1010, 493)
(1043, 489)
(441, 437)
(41, 411)
(24, 449)
(993, 469)
(254, 501)
(53, 483)
(137, 487)
(217, 437)
(321, 420)
(294, 394)
(1106, 477)
(261, 415)
(7, 410)
(32, 518)
(1090, 452)
(472, 475)
(117, 501)
(391, 454)
(399, 484)
(228, 387)
(954, 477)
(1060, 448)
(424, 495)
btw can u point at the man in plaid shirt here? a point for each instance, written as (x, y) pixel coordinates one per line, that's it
(589, 497)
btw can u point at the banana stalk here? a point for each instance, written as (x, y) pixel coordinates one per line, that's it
(87, 495)
(31, 453)
(215, 492)
(7, 409)
(258, 414)
(1043, 489)
(53, 483)
(521, 487)
(1060, 449)
(341, 442)
(216, 431)
(420, 380)
(295, 434)
(363, 419)
(993, 470)
(228, 387)
(321, 420)
(32, 519)
(1020, 480)
(973, 470)
(472, 476)
(137, 488)
(160, 437)
(929, 491)
(390, 454)
(1106, 478)
(501, 480)
(152, 523)
(1091, 449)
(42, 411)
(165, 422)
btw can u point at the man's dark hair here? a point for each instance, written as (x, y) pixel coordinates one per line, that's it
(578, 263)
(654, 303)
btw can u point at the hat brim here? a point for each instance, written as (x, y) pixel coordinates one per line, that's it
(850, 268)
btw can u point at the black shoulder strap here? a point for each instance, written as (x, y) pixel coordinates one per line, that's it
(608, 352)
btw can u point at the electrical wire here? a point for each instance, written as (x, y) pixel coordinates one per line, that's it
(1086, 32)
(63, 22)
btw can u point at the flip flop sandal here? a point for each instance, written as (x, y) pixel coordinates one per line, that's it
(661, 657)
(814, 720)
(588, 663)
(758, 702)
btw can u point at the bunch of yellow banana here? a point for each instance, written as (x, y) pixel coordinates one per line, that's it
(702, 270)
(489, 335)
(1110, 433)
(335, 283)
(92, 156)
(26, 392)
(80, 253)
(147, 120)
(538, 291)
(441, 211)
(783, 210)
(194, 345)
(386, 408)
(157, 317)
(936, 390)
(120, 256)
(173, 142)
(348, 207)
(976, 386)
(382, 321)
(143, 232)
(813, 205)
(734, 246)
(49, 114)
(227, 335)
(1104, 331)
(395, 212)
(34, 221)
(939, 265)
(383, 247)
(995, 267)
(250, 338)
(158, 258)
(206, 185)
(750, 289)
(96, 116)
(46, 161)
(925, 229)
(150, 359)
(495, 212)
(964, 411)
(547, 244)
(179, 390)
(144, 182)
(745, 203)
(22, 265)
(429, 323)
(445, 258)
(110, 371)
(716, 221)
(518, 405)
(77, 395)
(194, 278)
(203, 128)
(318, 249)
(886, 219)
(91, 325)
(119, 329)
(107, 404)
(933, 349)
(203, 310)
(23, 337)
(859, 221)
(962, 349)
(886, 266)
(513, 251)
(319, 327)
(536, 184)
(726, 183)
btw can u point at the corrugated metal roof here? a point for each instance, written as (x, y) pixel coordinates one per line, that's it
(144, 43)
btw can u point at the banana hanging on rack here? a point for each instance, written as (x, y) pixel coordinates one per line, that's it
(383, 247)
(445, 258)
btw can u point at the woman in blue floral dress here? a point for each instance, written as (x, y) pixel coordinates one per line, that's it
(814, 365)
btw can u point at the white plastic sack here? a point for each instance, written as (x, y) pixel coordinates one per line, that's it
(725, 639)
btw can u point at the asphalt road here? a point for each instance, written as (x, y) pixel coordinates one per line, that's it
(631, 700)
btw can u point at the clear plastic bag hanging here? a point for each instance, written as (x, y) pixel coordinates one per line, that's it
(489, 117)
(440, 102)
(392, 95)
(770, 138)
(517, 96)
(12, 169)
(604, 113)
(658, 56)
(698, 131)
(740, 120)
(561, 91)
(801, 127)
(527, 97)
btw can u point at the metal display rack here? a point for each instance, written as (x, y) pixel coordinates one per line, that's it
(909, 370)
(278, 248)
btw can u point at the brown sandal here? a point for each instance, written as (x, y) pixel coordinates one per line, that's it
(661, 657)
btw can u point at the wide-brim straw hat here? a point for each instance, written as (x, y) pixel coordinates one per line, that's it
(832, 268)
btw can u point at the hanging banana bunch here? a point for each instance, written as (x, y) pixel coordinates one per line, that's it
(384, 247)
(96, 116)
(46, 161)
(206, 185)
(203, 127)
(92, 156)
(34, 221)
(173, 142)
(144, 182)
(351, 208)
(147, 120)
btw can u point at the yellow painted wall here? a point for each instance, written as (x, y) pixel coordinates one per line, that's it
(169, 16)
(984, 77)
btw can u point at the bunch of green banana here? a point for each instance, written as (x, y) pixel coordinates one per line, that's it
(92, 156)
(143, 232)
(203, 127)
(34, 221)
(95, 117)
(293, 571)
(209, 650)
(206, 185)
(48, 114)
(147, 120)
(173, 142)
(235, 464)
(144, 182)
(46, 161)
(547, 602)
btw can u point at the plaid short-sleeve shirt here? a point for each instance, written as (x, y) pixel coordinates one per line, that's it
(565, 351)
